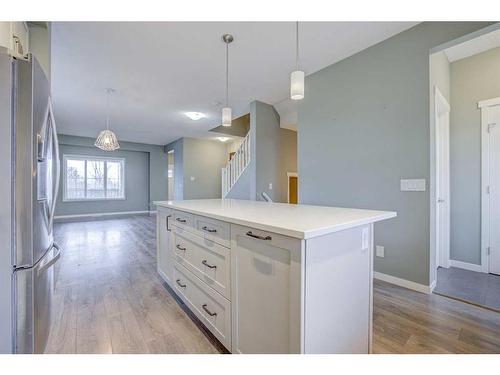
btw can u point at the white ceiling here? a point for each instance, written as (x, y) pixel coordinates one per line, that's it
(474, 46)
(162, 69)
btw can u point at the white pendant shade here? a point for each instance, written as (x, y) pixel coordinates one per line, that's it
(226, 116)
(297, 85)
(106, 140)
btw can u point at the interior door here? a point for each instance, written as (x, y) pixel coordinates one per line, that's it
(442, 182)
(494, 169)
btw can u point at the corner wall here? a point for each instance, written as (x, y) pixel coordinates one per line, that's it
(145, 176)
(273, 154)
(202, 168)
(364, 125)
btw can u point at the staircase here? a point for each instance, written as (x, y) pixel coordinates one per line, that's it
(235, 167)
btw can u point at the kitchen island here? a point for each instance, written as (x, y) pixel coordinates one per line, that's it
(272, 277)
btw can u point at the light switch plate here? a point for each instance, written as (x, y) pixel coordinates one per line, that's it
(380, 251)
(270, 186)
(415, 184)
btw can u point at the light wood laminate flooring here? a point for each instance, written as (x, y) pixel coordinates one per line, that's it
(109, 299)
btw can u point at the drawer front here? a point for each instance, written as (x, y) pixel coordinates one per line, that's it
(266, 291)
(183, 219)
(204, 258)
(211, 308)
(215, 230)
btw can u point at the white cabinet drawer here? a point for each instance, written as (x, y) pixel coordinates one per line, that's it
(215, 230)
(210, 307)
(204, 258)
(183, 219)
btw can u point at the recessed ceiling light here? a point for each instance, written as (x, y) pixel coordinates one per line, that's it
(223, 139)
(195, 115)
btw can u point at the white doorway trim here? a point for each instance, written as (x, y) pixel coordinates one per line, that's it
(442, 179)
(485, 105)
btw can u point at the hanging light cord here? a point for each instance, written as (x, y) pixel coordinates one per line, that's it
(107, 109)
(297, 45)
(227, 74)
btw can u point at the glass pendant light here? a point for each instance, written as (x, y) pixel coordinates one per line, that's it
(226, 111)
(297, 77)
(106, 140)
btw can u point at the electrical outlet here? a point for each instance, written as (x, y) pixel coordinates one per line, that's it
(380, 251)
(192, 178)
(270, 186)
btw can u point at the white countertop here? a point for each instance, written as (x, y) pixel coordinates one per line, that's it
(299, 221)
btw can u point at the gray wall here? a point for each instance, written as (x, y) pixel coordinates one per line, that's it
(146, 176)
(203, 160)
(273, 154)
(364, 125)
(472, 79)
(136, 183)
(276, 152)
(177, 147)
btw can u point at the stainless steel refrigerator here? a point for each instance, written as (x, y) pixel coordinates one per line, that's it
(29, 182)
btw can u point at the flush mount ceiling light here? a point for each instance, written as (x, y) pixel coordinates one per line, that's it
(195, 115)
(223, 139)
(297, 77)
(106, 140)
(226, 111)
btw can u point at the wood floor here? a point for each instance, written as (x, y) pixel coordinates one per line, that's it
(109, 299)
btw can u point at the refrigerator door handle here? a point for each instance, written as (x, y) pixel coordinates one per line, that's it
(58, 165)
(51, 262)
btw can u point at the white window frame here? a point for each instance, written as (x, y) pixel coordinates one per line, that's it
(99, 158)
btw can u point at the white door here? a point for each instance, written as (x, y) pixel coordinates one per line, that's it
(442, 115)
(493, 128)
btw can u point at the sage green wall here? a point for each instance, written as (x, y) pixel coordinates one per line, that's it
(473, 79)
(177, 147)
(273, 154)
(364, 125)
(151, 182)
(136, 183)
(203, 160)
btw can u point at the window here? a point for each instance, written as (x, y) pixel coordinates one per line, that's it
(93, 178)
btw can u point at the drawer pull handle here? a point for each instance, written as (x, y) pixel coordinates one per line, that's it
(167, 223)
(181, 220)
(178, 281)
(208, 265)
(207, 229)
(266, 238)
(208, 311)
(180, 247)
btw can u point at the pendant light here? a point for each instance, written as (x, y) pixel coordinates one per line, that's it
(106, 140)
(226, 111)
(298, 76)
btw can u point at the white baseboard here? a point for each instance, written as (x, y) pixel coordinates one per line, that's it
(101, 214)
(427, 289)
(466, 266)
